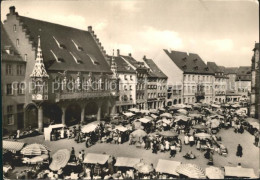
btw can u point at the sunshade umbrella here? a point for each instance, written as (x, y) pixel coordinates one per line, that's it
(214, 173)
(139, 133)
(167, 115)
(179, 118)
(144, 168)
(144, 111)
(34, 150)
(89, 128)
(154, 116)
(183, 111)
(161, 109)
(168, 134)
(195, 115)
(129, 114)
(144, 120)
(215, 123)
(134, 110)
(154, 111)
(215, 105)
(60, 159)
(191, 170)
(199, 126)
(38, 159)
(121, 128)
(202, 135)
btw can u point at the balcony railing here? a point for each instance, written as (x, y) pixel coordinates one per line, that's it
(200, 93)
(83, 95)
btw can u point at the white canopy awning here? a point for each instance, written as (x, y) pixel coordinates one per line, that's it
(167, 166)
(126, 162)
(93, 158)
(239, 172)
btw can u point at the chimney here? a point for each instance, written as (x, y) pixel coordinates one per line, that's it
(12, 10)
(144, 58)
(118, 52)
(89, 28)
(130, 54)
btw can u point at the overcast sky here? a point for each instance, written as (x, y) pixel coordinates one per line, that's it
(217, 30)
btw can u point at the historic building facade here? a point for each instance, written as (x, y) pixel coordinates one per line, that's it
(78, 73)
(13, 86)
(127, 85)
(190, 71)
(156, 85)
(255, 87)
(141, 79)
(243, 81)
(219, 83)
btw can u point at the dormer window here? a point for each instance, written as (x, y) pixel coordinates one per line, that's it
(184, 67)
(77, 60)
(79, 48)
(184, 59)
(59, 60)
(195, 60)
(207, 69)
(93, 59)
(196, 67)
(62, 46)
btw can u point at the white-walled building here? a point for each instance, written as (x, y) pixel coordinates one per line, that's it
(190, 71)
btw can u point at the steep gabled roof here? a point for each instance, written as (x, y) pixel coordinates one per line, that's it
(222, 68)
(6, 44)
(133, 62)
(244, 73)
(155, 70)
(189, 63)
(66, 48)
(214, 67)
(231, 70)
(122, 66)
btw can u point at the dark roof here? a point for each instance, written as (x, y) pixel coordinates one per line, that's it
(231, 70)
(256, 46)
(133, 62)
(214, 67)
(222, 68)
(189, 63)
(244, 73)
(155, 70)
(122, 66)
(6, 43)
(64, 35)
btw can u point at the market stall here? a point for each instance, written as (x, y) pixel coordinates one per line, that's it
(239, 172)
(191, 170)
(94, 158)
(49, 130)
(126, 162)
(167, 166)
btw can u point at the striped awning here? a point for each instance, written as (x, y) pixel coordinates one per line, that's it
(13, 146)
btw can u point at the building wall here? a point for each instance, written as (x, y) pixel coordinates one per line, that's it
(243, 87)
(16, 100)
(152, 92)
(191, 81)
(231, 82)
(220, 85)
(161, 92)
(127, 86)
(141, 88)
(25, 48)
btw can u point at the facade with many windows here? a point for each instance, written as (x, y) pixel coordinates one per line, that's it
(219, 83)
(13, 86)
(156, 85)
(75, 86)
(127, 88)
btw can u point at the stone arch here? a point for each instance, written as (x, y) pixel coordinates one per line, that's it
(91, 110)
(31, 115)
(52, 113)
(179, 101)
(72, 114)
(105, 109)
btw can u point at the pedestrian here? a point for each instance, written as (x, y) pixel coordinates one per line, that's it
(186, 139)
(155, 147)
(256, 140)
(173, 150)
(62, 133)
(239, 151)
(191, 140)
(167, 145)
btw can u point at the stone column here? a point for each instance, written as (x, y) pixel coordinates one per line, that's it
(40, 118)
(63, 109)
(113, 109)
(82, 114)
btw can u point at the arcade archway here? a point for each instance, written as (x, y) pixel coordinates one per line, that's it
(91, 110)
(31, 113)
(73, 114)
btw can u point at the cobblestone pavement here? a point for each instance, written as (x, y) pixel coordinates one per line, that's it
(230, 139)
